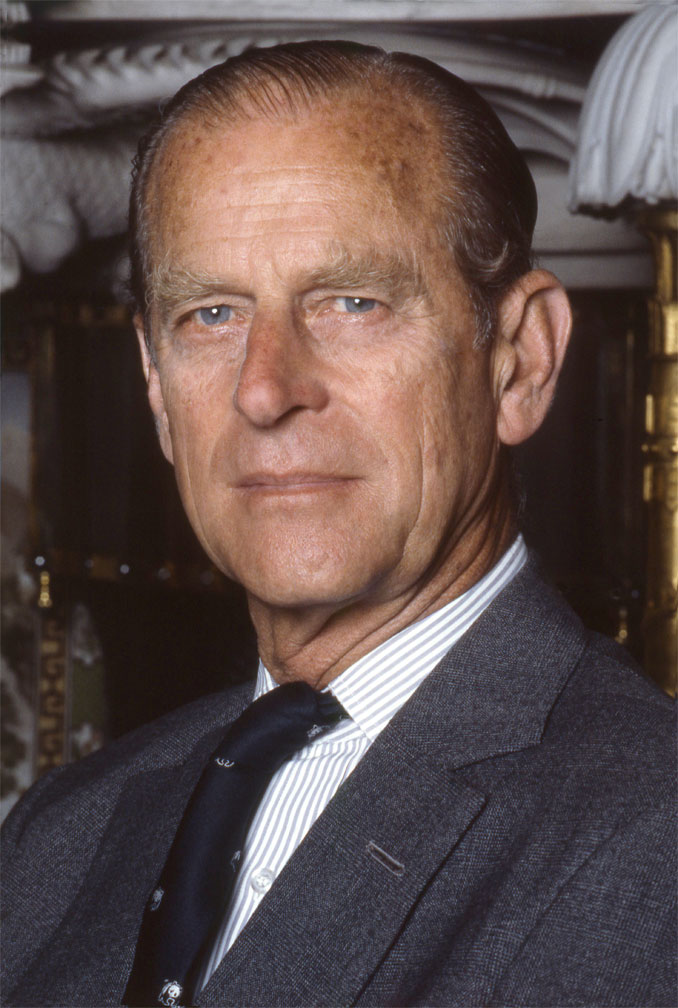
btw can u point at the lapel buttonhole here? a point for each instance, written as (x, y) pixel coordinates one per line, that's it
(384, 859)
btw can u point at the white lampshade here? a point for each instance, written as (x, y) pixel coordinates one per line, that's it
(628, 131)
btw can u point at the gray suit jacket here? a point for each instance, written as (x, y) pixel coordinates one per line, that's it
(525, 793)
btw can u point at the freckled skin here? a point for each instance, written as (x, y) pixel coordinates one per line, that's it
(392, 411)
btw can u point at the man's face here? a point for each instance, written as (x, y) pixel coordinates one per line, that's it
(316, 386)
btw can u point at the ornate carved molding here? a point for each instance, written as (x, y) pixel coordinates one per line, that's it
(15, 67)
(80, 88)
(348, 10)
(57, 193)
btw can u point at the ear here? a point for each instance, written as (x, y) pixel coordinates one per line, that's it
(154, 389)
(533, 332)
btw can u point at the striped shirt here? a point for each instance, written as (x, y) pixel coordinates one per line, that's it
(371, 691)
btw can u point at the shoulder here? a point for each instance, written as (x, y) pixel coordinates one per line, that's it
(93, 783)
(588, 728)
(598, 690)
(607, 681)
(603, 807)
(606, 716)
(617, 726)
(55, 836)
(607, 755)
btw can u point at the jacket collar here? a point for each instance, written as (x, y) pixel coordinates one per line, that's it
(493, 691)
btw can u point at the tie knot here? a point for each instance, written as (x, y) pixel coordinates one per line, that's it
(277, 725)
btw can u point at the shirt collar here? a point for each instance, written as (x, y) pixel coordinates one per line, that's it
(374, 688)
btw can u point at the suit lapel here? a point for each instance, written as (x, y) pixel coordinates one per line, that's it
(343, 896)
(340, 902)
(494, 690)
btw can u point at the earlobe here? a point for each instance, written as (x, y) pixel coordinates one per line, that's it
(534, 328)
(154, 390)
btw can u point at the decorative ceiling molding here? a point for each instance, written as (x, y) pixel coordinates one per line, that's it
(628, 141)
(79, 88)
(329, 10)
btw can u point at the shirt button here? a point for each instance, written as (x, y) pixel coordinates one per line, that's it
(261, 880)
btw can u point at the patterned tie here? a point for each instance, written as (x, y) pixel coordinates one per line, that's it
(193, 891)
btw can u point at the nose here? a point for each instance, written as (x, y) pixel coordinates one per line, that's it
(280, 372)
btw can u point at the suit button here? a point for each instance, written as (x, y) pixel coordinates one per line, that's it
(261, 880)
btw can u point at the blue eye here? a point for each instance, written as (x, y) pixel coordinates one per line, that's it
(215, 315)
(358, 305)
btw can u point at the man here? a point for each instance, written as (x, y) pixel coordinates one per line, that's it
(341, 334)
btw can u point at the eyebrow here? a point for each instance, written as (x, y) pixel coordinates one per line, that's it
(173, 286)
(396, 273)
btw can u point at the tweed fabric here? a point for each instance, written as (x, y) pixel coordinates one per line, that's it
(508, 839)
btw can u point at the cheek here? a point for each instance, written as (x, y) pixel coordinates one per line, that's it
(390, 407)
(196, 402)
(456, 424)
(409, 418)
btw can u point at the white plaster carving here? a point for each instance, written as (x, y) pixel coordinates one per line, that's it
(628, 141)
(58, 192)
(15, 66)
(584, 252)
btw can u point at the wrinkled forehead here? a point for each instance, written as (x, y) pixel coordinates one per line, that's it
(386, 150)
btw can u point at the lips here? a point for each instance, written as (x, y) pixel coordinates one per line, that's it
(289, 481)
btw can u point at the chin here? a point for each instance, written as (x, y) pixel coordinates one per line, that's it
(330, 567)
(302, 584)
(302, 593)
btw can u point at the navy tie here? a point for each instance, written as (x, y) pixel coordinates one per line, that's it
(192, 894)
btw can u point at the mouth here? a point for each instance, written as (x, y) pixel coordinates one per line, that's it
(291, 482)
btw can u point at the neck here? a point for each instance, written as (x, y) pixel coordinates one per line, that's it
(315, 644)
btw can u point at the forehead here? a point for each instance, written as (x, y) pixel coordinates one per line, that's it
(369, 164)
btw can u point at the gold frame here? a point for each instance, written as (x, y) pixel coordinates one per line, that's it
(660, 449)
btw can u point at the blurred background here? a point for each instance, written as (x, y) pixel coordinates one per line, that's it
(111, 613)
